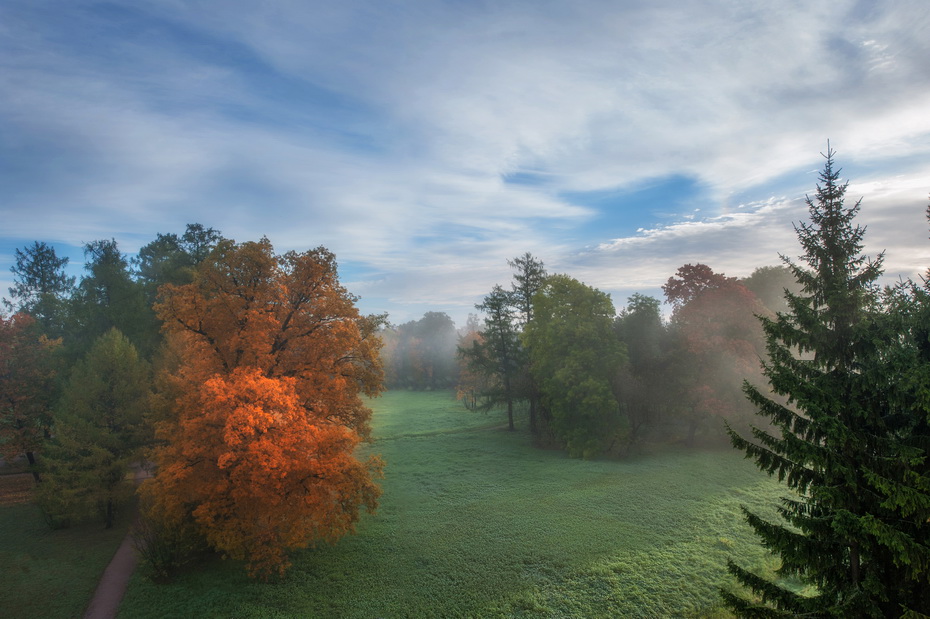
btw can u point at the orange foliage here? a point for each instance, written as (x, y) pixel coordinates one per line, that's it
(265, 403)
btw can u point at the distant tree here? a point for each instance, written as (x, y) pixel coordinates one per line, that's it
(769, 284)
(198, 241)
(108, 297)
(691, 281)
(574, 358)
(396, 357)
(718, 342)
(162, 261)
(170, 259)
(643, 381)
(265, 406)
(436, 332)
(475, 383)
(845, 440)
(99, 429)
(27, 387)
(472, 325)
(420, 354)
(497, 355)
(640, 328)
(529, 276)
(41, 287)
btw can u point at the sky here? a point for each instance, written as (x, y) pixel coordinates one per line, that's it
(427, 142)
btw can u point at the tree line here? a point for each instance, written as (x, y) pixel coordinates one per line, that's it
(546, 343)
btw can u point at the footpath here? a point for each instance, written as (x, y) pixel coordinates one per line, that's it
(113, 583)
(115, 579)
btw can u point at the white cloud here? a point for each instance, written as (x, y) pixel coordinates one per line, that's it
(384, 130)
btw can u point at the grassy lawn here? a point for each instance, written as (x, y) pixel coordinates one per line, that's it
(48, 574)
(475, 523)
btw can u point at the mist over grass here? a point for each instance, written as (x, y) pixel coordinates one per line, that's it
(474, 522)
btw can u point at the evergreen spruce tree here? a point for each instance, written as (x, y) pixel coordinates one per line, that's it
(843, 436)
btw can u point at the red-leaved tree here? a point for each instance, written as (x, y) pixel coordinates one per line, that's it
(26, 387)
(719, 341)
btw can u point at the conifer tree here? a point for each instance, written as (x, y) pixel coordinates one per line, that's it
(528, 277)
(99, 429)
(41, 287)
(108, 297)
(498, 354)
(843, 436)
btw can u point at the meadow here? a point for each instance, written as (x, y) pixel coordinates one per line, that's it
(474, 522)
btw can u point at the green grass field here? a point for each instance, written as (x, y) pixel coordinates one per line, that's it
(51, 574)
(476, 523)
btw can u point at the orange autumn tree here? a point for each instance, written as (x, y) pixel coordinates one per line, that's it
(263, 407)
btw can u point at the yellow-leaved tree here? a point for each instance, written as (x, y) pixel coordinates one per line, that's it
(263, 404)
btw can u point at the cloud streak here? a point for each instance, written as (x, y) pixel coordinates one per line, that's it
(393, 132)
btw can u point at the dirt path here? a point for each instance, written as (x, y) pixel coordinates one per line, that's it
(113, 583)
(115, 579)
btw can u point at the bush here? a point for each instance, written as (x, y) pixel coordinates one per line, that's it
(165, 547)
(61, 507)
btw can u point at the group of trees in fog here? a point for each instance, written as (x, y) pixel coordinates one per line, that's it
(420, 354)
(596, 381)
(545, 344)
(237, 372)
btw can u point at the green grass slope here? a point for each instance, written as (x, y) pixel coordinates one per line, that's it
(476, 523)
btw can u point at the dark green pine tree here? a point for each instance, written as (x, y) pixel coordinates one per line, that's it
(528, 277)
(843, 436)
(499, 356)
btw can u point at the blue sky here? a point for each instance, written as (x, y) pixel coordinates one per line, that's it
(425, 143)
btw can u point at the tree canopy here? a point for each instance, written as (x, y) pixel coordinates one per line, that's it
(27, 386)
(264, 407)
(574, 355)
(100, 427)
(41, 287)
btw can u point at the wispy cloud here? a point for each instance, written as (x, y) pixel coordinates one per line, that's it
(391, 132)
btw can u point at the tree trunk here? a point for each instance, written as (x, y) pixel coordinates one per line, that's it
(110, 514)
(534, 428)
(510, 425)
(31, 458)
(854, 563)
